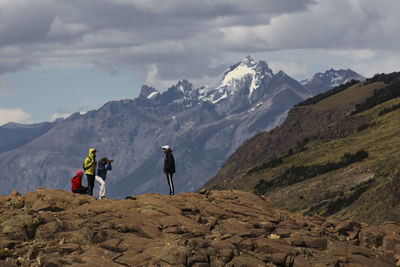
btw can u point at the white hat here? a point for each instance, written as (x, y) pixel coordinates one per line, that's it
(165, 147)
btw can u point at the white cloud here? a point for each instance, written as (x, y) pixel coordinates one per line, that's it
(13, 115)
(56, 116)
(152, 80)
(385, 64)
(362, 54)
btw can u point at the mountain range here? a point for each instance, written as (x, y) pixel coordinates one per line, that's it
(202, 125)
(322, 82)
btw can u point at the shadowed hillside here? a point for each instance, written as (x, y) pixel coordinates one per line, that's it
(299, 166)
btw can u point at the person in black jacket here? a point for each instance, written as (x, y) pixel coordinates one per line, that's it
(169, 167)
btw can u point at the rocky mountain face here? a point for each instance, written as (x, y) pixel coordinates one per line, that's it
(322, 82)
(51, 227)
(202, 125)
(14, 135)
(334, 155)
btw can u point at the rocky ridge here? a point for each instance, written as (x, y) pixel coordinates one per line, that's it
(322, 82)
(51, 227)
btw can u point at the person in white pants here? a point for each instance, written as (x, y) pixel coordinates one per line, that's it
(102, 190)
(103, 166)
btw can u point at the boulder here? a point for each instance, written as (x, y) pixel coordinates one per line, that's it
(19, 227)
(309, 241)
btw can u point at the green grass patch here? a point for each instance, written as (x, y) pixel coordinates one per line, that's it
(389, 109)
(296, 174)
(275, 162)
(364, 126)
(4, 253)
(380, 96)
(266, 165)
(315, 99)
(345, 200)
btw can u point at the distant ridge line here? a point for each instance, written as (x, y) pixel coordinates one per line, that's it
(315, 99)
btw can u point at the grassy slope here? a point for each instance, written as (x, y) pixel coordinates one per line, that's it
(378, 203)
(302, 122)
(367, 190)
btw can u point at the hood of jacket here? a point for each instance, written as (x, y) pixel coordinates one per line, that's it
(79, 173)
(92, 151)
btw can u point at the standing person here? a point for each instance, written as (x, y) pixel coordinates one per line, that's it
(90, 167)
(169, 167)
(103, 166)
(77, 183)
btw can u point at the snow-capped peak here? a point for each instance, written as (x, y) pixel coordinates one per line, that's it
(237, 74)
(246, 71)
(148, 92)
(244, 83)
(153, 95)
(321, 82)
(248, 61)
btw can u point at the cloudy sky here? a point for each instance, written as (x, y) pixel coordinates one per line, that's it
(60, 56)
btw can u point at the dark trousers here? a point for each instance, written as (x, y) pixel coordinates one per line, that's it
(170, 183)
(90, 183)
(81, 190)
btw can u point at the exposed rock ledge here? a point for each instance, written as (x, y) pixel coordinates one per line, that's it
(214, 228)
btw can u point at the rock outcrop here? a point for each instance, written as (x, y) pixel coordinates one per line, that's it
(212, 228)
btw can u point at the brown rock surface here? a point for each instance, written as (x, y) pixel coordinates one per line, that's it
(215, 228)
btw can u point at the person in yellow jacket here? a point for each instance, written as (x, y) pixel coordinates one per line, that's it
(90, 168)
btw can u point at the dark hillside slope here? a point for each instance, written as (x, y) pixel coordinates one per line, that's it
(302, 122)
(326, 159)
